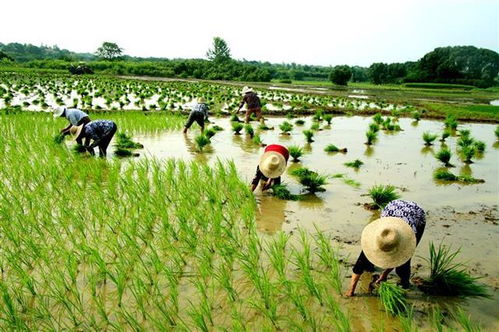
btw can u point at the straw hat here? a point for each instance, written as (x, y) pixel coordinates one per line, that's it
(201, 100)
(75, 131)
(58, 111)
(388, 242)
(247, 89)
(272, 164)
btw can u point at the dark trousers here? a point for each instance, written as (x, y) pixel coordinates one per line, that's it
(104, 143)
(195, 116)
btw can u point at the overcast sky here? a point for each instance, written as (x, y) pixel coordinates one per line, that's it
(320, 32)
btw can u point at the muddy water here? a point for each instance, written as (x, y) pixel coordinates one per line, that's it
(461, 215)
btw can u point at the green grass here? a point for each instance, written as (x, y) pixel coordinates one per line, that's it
(295, 152)
(393, 298)
(382, 195)
(439, 86)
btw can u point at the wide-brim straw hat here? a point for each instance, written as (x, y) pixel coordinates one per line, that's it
(272, 164)
(58, 111)
(75, 131)
(201, 100)
(388, 242)
(246, 89)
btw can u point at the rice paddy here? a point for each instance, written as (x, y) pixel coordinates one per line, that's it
(174, 239)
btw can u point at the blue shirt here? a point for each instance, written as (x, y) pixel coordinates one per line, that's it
(201, 108)
(98, 129)
(74, 115)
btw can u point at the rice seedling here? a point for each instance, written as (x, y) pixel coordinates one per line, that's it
(467, 152)
(263, 126)
(371, 137)
(354, 164)
(295, 152)
(217, 128)
(315, 126)
(334, 148)
(496, 132)
(258, 140)
(309, 135)
(374, 127)
(79, 149)
(311, 180)
(59, 138)
(465, 321)
(382, 195)
(444, 156)
(479, 146)
(249, 130)
(393, 298)
(445, 134)
(235, 118)
(281, 191)
(210, 132)
(378, 118)
(318, 116)
(237, 127)
(428, 138)
(299, 122)
(328, 118)
(444, 175)
(201, 142)
(465, 141)
(286, 127)
(450, 122)
(449, 278)
(416, 115)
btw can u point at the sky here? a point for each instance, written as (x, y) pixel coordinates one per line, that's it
(315, 32)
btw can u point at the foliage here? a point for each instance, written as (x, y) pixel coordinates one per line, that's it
(295, 152)
(109, 51)
(449, 278)
(220, 51)
(281, 191)
(124, 141)
(201, 141)
(59, 138)
(445, 175)
(393, 298)
(328, 118)
(382, 195)
(313, 181)
(334, 148)
(444, 156)
(428, 138)
(309, 135)
(354, 164)
(468, 152)
(371, 137)
(340, 75)
(237, 127)
(286, 127)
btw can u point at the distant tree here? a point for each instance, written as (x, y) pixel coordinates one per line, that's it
(340, 75)
(220, 51)
(359, 74)
(5, 56)
(109, 51)
(378, 73)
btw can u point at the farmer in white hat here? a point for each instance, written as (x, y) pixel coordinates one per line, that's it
(390, 242)
(253, 103)
(199, 113)
(272, 165)
(100, 131)
(75, 117)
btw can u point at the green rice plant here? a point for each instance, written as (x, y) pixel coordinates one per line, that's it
(217, 128)
(467, 153)
(201, 142)
(464, 133)
(479, 146)
(235, 118)
(263, 126)
(465, 321)
(286, 127)
(318, 116)
(257, 140)
(334, 148)
(416, 115)
(299, 122)
(210, 132)
(124, 141)
(378, 118)
(309, 134)
(281, 191)
(496, 132)
(295, 152)
(465, 141)
(449, 278)
(237, 127)
(445, 134)
(444, 175)
(248, 128)
(393, 298)
(315, 126)
(374, 127)
(354, 164)
(444, 156)
(450, 122)
(311, 180)
(371, 137)
(328, 118)
(79, 149)
(428, 138)
(382, 195)
(59, 138)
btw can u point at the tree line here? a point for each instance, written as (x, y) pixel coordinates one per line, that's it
(458, 64)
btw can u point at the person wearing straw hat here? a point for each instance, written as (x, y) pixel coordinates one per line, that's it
(100, 131)
(271, 166)
(75, 117)
(253, 103)
(199, 113)
(389, 242)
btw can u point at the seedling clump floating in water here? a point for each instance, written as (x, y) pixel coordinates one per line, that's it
(309, 135)
(428, 138)
(393, 298)
(371, 137)
(334, 148)
(201, 141)
(249, 130)
(445, 175)
(295, 152)
(301, 122)
(382, 195)
(286, 127)
(444, 156)
(354, 164)
(311, 180)
(281, 191)
(237, 127)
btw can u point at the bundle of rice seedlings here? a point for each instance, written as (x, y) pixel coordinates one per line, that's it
(309, 134)
(120, 152)
(382, 195)
(258, 140)
(468, 179)
(378, 118)
(210, 132)
(59, 138)
(299, 122)
(416, 115)
(318, 116)
(464, 141)
(263, 126)
(296, 152)
(429, 138)
(201, 142)
(479, 146)
(235, 118)
(217, 128)
(315, 127)
(445, 175)
(371, 137)
(467, 152)
(450, 122)
(464, 133)
(249, 130)
(78, 148)
(393, 298)
(311, 180)
(124, 141)
(334, 148)
(374, 127)
(444, 156)
(449, 278)
(237, 127)
(286, 127)
(281, 191)
(446, 133)
(354, 164)
(328, 118)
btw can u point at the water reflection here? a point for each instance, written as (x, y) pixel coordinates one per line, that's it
(465, 170)
(427, 149)
(202, 157)
(369, 151)
(270, 214)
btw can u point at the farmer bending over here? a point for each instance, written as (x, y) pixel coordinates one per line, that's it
(390, 242)
(100, 131)
(75, 117)
(253, 102)
(272, 165)
(199, 113)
